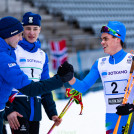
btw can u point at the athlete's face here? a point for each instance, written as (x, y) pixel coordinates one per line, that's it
(110, 44)
(31, 33)
(13, 41)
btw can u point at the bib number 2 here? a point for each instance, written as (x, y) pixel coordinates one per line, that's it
(114, 84)
(115, 87)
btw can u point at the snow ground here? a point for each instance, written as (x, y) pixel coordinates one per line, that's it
(91, 122)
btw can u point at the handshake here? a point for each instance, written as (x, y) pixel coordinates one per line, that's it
(66, 72)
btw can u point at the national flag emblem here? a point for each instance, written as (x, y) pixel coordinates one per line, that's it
(58, 53)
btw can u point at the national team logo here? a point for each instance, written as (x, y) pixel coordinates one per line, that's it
(30, 20)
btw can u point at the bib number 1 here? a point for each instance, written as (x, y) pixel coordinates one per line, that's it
(32, 70)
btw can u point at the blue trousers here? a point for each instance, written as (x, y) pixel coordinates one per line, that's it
(1, 121)
(111, 120)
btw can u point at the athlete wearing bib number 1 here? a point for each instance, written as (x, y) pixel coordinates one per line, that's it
(114, 72)
(25, 112)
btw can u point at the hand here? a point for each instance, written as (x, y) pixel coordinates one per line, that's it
(13, 121)
(56, 119)
(65, 71)
(125, 109)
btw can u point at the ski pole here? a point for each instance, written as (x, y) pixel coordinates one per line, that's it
(70, 102)
(127, 93)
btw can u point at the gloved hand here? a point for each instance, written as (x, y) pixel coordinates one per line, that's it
(65, 71)
(125, 109)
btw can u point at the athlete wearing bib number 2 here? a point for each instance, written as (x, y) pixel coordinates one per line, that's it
(25, 112)
(114, 72)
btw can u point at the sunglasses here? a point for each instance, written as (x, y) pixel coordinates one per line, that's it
(107, 29)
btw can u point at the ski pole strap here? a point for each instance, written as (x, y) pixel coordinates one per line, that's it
(77, 96)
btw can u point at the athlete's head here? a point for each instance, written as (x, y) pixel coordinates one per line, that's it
(30, 18)
(113, 37)
(32, 26)
(11, 30)
(10, 26)
(116, 29)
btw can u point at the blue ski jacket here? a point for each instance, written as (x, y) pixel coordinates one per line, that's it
(10, 73)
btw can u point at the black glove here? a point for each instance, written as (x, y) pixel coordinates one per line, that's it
(65, 71)
(125, 109)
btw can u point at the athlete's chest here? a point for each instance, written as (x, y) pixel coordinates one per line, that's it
(24, 58)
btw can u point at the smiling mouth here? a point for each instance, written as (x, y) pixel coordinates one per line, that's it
(31, 38)
(104, 47)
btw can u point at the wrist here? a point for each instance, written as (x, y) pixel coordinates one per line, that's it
(72, 81)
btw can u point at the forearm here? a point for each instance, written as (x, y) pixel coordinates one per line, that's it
(41, 87)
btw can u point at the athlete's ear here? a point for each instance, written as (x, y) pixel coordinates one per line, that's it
(118, 40)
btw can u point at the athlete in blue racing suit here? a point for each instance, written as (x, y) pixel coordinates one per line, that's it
(114, 72)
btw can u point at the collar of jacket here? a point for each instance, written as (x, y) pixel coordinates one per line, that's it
(116, 58)
(30, 47)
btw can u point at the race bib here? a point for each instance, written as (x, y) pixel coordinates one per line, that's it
(115, 87)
